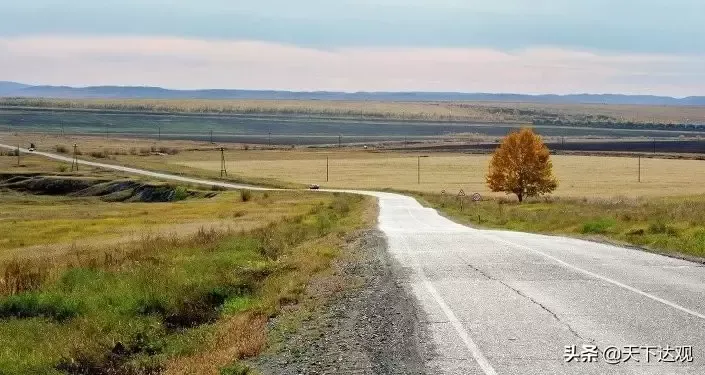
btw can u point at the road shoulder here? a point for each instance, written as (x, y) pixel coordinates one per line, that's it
(370, 325)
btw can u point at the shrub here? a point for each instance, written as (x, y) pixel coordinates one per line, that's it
(63, 168)
(98, 154)
(598, 226)
(245, 195)
(180, 193)
(62, 149)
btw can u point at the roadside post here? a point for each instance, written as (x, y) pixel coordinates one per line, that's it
(461, 195)
(74, 162)
(443, 198)
(476, 197)
(223, 170)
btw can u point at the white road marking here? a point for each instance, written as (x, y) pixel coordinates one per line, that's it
(472, 347)
(603, 278)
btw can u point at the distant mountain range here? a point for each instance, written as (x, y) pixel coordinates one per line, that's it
(13, 89)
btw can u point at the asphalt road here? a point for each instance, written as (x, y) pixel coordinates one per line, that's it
(496, 302)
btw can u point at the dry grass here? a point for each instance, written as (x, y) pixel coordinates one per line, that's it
(579, 176)
(52, 224)
(237, 337)
(465, 111)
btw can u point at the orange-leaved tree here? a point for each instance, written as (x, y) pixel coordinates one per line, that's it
(521, 165)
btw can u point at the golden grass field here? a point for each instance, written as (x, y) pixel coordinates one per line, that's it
(49, 225)
(579, 176)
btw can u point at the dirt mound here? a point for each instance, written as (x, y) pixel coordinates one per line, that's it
(107, 190)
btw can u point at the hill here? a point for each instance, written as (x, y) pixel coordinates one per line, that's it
(13, 89)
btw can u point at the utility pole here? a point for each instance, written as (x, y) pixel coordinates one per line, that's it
(340, 140)
(223, 170)
(418, 168)
(107, 131)
(639, 168)
(159, 129)
(74, 162)
(18, 155)
(211, 135)
(327, 169)
(269, 139)
(654, 145)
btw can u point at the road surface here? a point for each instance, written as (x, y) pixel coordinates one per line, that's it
(498, 302)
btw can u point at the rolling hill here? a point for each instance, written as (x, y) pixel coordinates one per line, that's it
(13, 89)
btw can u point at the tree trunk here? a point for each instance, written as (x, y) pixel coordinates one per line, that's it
(520, 196)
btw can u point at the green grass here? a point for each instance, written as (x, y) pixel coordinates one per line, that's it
(135, 313)
(666, 225)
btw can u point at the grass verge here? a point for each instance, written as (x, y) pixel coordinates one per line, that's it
(666, 225)
(192, 305)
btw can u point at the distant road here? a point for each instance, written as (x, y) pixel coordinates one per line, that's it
(142, 172)
(498, 302)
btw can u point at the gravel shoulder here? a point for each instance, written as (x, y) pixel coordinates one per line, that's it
(367, 322)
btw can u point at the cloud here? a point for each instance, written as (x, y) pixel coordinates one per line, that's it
(655, 26)
(192, 63)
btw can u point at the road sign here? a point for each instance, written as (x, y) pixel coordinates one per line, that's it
(476, 197)
(461, 195)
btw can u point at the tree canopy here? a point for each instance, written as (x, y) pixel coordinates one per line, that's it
(522, 165)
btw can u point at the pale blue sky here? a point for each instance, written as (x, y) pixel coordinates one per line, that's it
(655, 31)
(615, 25)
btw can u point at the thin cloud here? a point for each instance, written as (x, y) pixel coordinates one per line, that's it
(190, 63)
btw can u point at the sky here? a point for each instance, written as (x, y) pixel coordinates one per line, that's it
(541, 46)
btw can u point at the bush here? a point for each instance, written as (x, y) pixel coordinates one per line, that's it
(245, 195)
(63, 168)
(180, 193)
(61, 149)
(598, 226)
(98, 154)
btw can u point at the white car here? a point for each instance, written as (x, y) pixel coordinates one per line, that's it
(314, 186)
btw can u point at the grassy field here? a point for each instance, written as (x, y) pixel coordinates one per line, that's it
(579, 176)
(188, 289)
(672, 225)
(462, 111)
